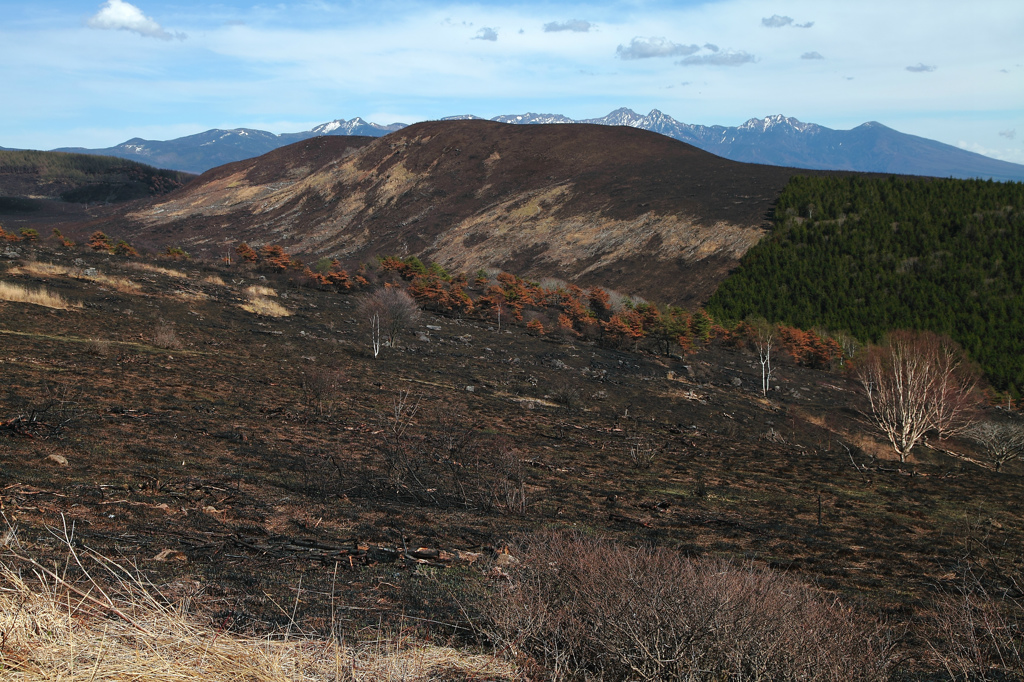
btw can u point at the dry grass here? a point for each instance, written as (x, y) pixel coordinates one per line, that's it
(259, 290)
(265, 307)
(157, 270)
(108, 624)
(20, 294)
(214, 279)
(39, 269)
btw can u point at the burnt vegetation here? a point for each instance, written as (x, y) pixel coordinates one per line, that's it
(590, 484)
(495, 486)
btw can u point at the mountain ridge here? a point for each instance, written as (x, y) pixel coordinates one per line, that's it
(774, 140)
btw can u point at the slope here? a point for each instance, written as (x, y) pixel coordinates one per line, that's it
(619, 207)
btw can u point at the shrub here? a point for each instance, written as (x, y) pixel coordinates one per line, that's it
(579, 608)
(320, 388)
(176, 253)
(29, 234)
(164, 336)
(247, 253)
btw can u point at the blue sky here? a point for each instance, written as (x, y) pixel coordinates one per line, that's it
(95, 73)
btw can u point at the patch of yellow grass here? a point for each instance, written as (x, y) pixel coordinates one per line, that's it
(157, 270)
(19, 294)
(258, 290)
(214, 279)
(266, 307)
(131, 631)
(40, 269)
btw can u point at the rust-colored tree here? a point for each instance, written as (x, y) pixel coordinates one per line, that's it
(275, 257)
(99, 242)
(247, 253)
(917, 382)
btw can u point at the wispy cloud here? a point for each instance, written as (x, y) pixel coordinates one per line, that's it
(1008, 134)
(778, 21)
(117, 15)
(811, 55)
(486, 33)
(646, 48)
(921, 68)
(711, 46)
(727, 58)
(576, 25)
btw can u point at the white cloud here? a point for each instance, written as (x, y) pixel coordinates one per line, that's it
(727, 58)
(811, 55)
(577, 25)
(921, 68)
(486, 33)
(776, 21)
(124, 16)
(645, 48)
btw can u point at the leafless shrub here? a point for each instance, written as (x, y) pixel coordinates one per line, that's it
(510, 478)
(640, 449)
(916, 383)
(977, 637)
(576, 608)
(1002, 441)
(98, 347)
(432, 459)
(164, 336)
(390, 310)
(321, 387)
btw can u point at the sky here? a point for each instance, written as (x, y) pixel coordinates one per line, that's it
(94, 73)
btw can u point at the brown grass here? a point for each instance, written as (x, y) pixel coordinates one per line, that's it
(215, 279)
(157, 270)
(265, 307)
(122, 628)
(19, 294)
(39, 269)
(258, 290)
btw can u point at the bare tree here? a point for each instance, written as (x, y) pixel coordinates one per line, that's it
(916, 383)
(1002, 441)
(764, 340)
(389, 311)
(955, 398)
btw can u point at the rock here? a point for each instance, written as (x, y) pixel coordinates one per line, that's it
(736, 381)
(671, 376)
(433, 327)
(422, 336)
(90, 272)
(59, 459)
(12, 253)
(558, 364)
(470, 389)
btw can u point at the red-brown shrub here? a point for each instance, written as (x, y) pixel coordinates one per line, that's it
(578, 608)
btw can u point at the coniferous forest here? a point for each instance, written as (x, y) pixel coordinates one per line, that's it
(868, 255)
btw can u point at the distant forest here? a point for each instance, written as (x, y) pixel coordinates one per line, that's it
(87, 178)
(869, 255)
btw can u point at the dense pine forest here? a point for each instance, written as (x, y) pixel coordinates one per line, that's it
(868, 255)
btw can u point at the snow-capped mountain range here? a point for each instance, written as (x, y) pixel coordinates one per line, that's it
(774, 140)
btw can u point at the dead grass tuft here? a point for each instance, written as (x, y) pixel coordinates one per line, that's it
(157, 270)
(17, 293)
(264, 306)
(259, 290)
(214, 279)
(39, 269)
(57, 627)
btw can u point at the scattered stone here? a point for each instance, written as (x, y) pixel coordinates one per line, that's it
(422, 336)
(470, 389)
(736, 381)
(59, 459)
(91, 272)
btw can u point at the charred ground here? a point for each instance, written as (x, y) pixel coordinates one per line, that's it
(197, 448)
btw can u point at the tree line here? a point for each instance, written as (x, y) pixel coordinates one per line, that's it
(869, 255)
